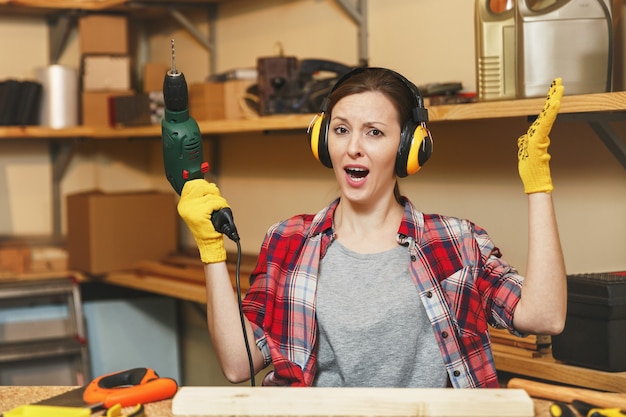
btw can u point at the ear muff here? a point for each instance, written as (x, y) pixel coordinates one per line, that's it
(318, 137)
(415, 140)
(416, 146)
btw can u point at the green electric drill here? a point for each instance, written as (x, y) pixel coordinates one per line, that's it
(182, 145)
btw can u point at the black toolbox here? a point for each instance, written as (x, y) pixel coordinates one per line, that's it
(595, 328)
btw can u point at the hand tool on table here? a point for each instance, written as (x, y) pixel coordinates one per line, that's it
(567, 394)
(37, 410)
(182, 144)
(118, 411)
(129, 388)
(590, 410)
(561, 409)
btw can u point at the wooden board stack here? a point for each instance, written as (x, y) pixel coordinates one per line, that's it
(531, 346)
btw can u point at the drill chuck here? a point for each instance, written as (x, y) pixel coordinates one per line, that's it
(175, 94)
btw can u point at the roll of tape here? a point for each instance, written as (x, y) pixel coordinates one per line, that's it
(59, 99)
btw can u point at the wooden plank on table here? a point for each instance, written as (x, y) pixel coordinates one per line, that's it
(565, 394)
(350, 402)
(547, 368)
(515, 343)
(525, 353)
(531, 338)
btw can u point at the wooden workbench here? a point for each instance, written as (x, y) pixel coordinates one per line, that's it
(182, 277)
(14, 396)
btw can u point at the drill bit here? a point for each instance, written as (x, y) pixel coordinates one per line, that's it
(173, 71)
(175, 94)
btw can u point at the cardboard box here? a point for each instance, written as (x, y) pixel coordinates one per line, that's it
(103, 34)
(106, 72)
(96, 110)
(218, 100)
(14, 259)
(48, 259)
(153, 76)
(114, 231)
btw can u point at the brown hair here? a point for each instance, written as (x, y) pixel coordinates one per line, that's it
(378, 80)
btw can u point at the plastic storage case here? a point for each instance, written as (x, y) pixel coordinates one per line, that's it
(595, 328)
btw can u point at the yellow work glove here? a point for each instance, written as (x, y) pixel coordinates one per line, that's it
(198, 200)
(533, 157)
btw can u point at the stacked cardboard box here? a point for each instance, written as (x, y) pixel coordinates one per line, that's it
(17, 258)
(105, 66)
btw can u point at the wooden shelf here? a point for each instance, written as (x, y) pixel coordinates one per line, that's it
(207, 127)
(586, 103)
(580, 104)
(55, 6)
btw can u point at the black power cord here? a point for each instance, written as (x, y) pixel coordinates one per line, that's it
(241, 315)
(224, 223)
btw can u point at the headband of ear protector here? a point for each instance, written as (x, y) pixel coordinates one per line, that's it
(416, 143)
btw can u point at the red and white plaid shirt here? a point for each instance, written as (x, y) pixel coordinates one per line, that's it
(461, 279)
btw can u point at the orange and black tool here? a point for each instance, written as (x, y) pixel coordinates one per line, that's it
(129, 388)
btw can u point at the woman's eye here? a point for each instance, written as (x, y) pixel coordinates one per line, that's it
(340, 130)
(375, 132)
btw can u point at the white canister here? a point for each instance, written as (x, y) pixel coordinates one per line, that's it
(59, 97)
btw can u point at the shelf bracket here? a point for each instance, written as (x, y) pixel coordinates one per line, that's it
(611, 140)
(358, 14)
(61, 155)
(59, 28)
(599, 123)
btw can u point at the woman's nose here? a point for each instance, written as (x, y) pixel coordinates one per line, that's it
(355, 145)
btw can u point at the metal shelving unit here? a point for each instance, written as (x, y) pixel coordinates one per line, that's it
(71, 346)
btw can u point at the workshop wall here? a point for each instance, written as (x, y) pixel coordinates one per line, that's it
(409, 36)
(265, 178)
(473, 172)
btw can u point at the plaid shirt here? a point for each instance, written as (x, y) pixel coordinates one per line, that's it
(460, 276)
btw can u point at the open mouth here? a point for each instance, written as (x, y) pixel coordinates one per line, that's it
(357, 173)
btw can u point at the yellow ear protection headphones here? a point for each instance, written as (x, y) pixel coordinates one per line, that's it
(416, 143)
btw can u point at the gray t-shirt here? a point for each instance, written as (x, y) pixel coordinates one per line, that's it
(373, 328)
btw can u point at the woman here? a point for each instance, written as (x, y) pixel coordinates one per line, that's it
(370, 291)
